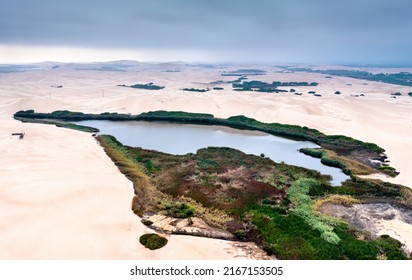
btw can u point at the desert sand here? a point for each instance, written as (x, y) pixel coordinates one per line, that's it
(62, 198)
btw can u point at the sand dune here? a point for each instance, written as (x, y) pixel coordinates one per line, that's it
(62, 198)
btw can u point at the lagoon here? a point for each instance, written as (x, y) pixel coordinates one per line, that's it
(174, 138)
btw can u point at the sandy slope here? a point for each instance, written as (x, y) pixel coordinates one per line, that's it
(61, 197)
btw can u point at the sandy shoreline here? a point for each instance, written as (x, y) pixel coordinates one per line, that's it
(62, 198)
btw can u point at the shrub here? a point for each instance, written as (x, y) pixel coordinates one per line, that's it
(389, 170)
(149, 86)
(240, 234)
(147, 222)
(270, 249)
(312, 152)
(152, 241)
(180, 210)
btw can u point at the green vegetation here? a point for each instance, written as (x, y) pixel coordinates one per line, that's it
(406, 197)
(148, 86)
(345, 200)
(196, 89)
(303, 207)
(290, 237)
(152, 241)
(59, 124)
(362, 188)
(266, 87)
(272, 204)
(349, 166)
(389, 170)
(244, 72)
(401, 78)
(180, 210)
(147, 222)
(326, 159)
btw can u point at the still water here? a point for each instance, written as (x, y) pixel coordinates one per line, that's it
(180, 139)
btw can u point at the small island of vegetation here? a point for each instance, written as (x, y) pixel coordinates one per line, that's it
(268, 87)
(244, 72)
(148, 86)
(196, 89)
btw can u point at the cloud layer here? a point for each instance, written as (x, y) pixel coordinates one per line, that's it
(370, 31)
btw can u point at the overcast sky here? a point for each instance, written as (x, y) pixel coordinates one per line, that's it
(326, 31)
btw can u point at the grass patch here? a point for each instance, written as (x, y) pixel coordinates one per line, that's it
(406, 199)
(152, 241)
(345, 200)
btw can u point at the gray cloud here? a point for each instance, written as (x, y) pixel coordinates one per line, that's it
(272, 30)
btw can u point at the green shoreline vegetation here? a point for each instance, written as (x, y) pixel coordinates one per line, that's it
(272, 204)
(368, 154)
(334, 142)
(59, 123)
